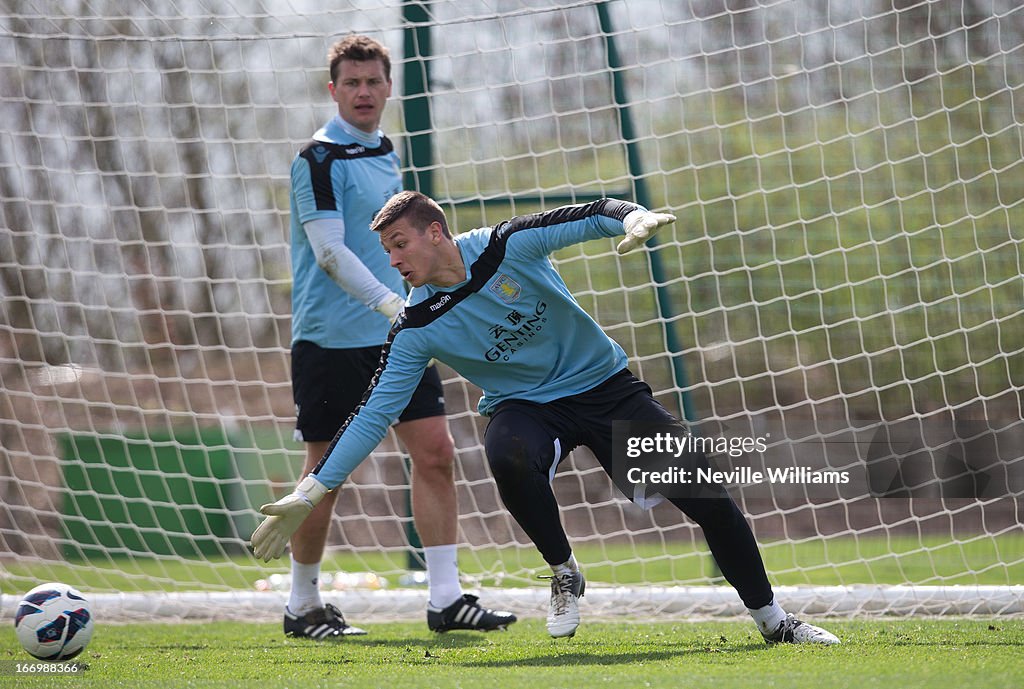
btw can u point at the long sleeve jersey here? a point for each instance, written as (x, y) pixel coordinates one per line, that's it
(511, 327)
(347, 175)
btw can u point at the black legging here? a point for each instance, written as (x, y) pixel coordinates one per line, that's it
(520, 444)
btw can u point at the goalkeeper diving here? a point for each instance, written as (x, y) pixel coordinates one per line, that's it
(490, 305)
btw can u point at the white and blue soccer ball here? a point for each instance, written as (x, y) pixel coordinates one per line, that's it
(53, 622)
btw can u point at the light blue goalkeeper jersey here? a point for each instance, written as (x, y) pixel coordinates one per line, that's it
(340, 174)
(511, 327)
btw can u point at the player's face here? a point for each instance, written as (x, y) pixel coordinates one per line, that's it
(361, 90)
(414, 254)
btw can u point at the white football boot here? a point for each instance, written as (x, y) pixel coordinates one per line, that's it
(793, 631)
(564, 611)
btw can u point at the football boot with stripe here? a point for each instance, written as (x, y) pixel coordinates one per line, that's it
(467, 613)
(323, 624)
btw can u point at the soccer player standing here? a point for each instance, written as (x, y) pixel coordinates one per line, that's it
(490, 304)
(344, 298)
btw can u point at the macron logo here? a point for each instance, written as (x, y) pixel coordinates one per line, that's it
(440, 302)
(355, 150)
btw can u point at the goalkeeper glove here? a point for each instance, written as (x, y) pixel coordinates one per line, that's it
(640, 225)
(391, 307)
(284, 517)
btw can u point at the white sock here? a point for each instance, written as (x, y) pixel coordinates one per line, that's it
(305, 593)
(567, 567)
(443, 574)
(769, 617)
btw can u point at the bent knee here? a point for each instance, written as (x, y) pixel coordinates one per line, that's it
(507, 457)
(512, 456)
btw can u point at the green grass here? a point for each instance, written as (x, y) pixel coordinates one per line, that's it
(868, 560)
(720, 654)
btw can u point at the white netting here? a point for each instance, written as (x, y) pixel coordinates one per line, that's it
(848, 251)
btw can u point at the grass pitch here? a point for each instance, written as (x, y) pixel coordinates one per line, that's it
(719, 654)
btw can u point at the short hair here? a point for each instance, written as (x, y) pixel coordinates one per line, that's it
(420, 209)
(358, 48)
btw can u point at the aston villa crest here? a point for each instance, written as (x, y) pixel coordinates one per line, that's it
(507, 289)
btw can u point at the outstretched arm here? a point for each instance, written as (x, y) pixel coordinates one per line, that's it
(392, 386)
(541, 233)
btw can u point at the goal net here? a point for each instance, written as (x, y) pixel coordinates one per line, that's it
(843, 283)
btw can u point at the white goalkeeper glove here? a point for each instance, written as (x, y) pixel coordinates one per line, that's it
(640, 225)
(284, 517)
(391, 307)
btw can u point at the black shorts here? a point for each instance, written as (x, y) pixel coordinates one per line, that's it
(328, 384)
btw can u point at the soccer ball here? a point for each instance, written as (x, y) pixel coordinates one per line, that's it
(53, 622)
